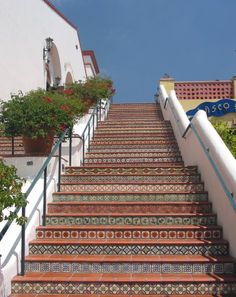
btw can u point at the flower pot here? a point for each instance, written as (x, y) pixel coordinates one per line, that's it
(38, 146)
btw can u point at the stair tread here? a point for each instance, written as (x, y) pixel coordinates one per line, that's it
(112, 241)
(127, 183)
(108, 227)
(130, 203)
(131, 258)
(113, 214)
(111, 277)
(105, 295)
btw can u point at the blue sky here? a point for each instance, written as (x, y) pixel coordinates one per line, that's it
(137, 41)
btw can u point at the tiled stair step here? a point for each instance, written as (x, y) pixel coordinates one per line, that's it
(132, 122)
(131, 125)
(131, 219)
(137, 164)
(117, 196)
(133, 285)
(117, 295)
(130, 232)
(135, 137)
(129, 247)
(134, 142)
(134, 105)
(71, 207)
(162, 149)
(190, 170)
(125, 130)
(127, 188)
(129, 160)
(137, 134)
(135, 113)
(131, 264)
(131, 178)
(132, 154)
(129, 147)
(134, 117)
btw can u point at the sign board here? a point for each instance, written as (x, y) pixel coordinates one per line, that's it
(215, 109)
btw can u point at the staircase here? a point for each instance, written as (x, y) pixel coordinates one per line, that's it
(133, 221)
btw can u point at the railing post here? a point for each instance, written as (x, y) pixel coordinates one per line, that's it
(59, 170)
(100, 104)
(22, 272)
(93, 125)
(83, 150)
(88, 136)
(13, 146)
(70, 145)
(44, 195)
(97, 114)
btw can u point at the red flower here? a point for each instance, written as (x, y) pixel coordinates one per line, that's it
(48, 99)
(65, 107)
(62, 127)
(68, 92)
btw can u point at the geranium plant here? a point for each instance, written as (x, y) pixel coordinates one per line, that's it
(11, 196)
(92, 90)
(39, 112)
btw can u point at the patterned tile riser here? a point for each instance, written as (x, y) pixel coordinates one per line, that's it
(133, 188)
(121, 130)
(152, 220)
(133, 155)
(148, 135)
(134, 140)
(131, 160)
(169, 171)
(122, 209)
(138, 164)
(135, 150)
(132, 197)
(180, 288)
(130, 178)
(112, 146)
(133, 143)
(129, 234)
(129, 249)
(143, 268)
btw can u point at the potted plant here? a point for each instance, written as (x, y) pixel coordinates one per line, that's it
(90, 91)
(38, 116)
(11, 196)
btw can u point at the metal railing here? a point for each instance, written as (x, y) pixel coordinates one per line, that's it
(86, 137)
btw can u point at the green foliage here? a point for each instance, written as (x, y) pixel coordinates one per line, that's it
(38, 112)
(10, 194)
(227, 134)
(94, 88)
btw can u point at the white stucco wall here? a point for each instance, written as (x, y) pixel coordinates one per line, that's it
(216, 158)
(88, 63)
(24, 26)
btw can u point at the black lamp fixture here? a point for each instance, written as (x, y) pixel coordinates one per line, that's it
(47, 48)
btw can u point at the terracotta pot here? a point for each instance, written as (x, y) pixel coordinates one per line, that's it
(38, 146)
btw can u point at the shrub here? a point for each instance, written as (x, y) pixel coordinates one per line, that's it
(10, 194)
(227, 134)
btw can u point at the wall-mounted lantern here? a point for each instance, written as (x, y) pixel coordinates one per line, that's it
(47, 49)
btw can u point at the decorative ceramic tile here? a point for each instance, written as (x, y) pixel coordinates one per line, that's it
(134, 220)
(113, 288)
(132, 197)
(188, 187)
(126, 234)
(129, 249)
